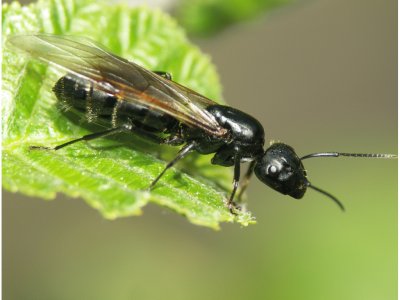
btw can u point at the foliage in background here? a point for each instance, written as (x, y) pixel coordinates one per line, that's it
(111, 175)
(205, 17)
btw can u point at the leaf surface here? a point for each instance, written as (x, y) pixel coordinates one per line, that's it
(111, 175)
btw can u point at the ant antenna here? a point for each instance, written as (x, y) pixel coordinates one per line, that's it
(337, 154)
(336, 200)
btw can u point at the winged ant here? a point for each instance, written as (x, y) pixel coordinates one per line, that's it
(130, 98)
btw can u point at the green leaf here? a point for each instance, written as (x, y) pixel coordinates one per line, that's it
(111, 175)
(206, 17)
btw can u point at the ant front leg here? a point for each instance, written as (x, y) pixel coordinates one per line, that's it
(236, 177)
(246, 180)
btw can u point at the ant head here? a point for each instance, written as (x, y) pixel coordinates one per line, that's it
(281, 169)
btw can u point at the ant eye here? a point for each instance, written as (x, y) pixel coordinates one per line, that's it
(272, 170)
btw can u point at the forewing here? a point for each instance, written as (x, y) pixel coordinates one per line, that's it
(115, 75)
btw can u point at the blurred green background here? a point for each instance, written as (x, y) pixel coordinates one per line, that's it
(320, 75)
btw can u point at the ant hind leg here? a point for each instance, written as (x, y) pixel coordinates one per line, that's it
(88, 137)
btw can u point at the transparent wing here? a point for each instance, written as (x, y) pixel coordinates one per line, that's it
(120, 77)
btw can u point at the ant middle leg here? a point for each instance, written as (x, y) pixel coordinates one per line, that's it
(181, 154)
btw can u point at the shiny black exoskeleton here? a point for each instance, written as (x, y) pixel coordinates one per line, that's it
(243, 142)
(101, 85)
(278, 166)
(281, 169)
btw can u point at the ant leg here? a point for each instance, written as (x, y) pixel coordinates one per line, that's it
(236, 178)
(124, 128)
(166, 75)
(181, 154)
(246, 180)
(128, 127)
(173, 140)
